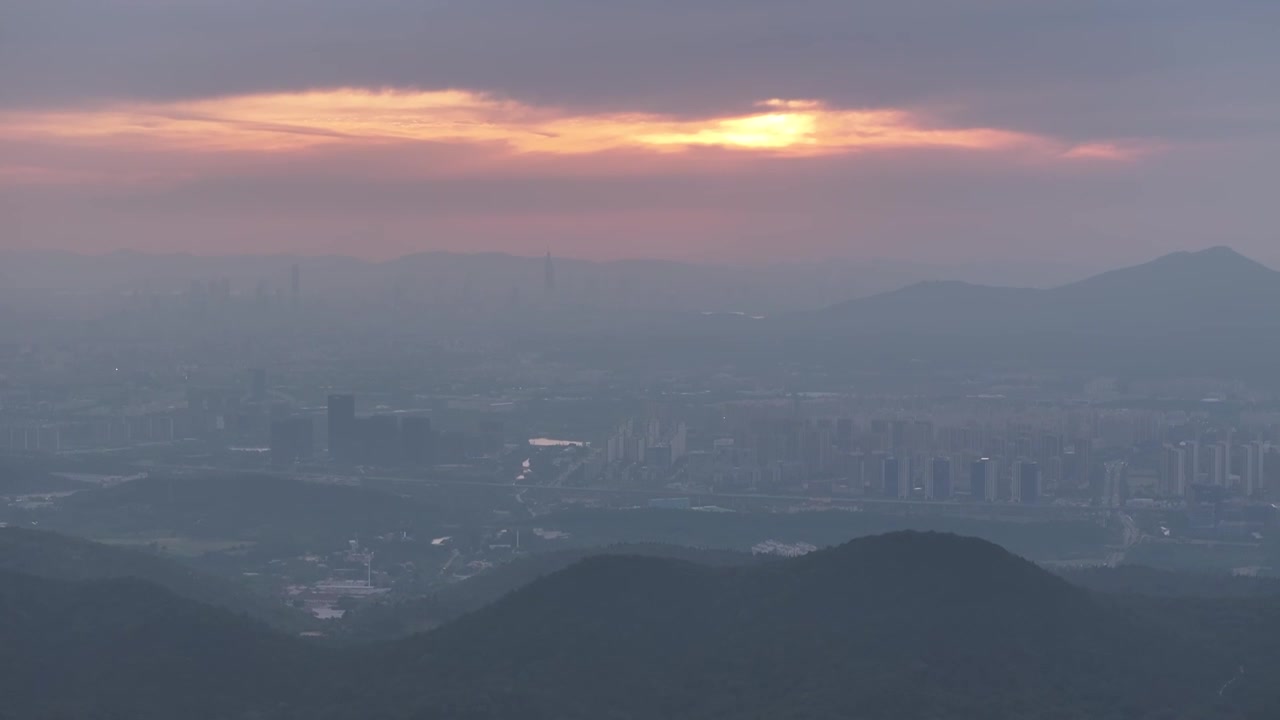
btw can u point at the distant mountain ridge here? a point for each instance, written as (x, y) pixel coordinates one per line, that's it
(1182, 291)
(439, 276)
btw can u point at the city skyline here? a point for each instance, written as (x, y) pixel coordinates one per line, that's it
(646, 360)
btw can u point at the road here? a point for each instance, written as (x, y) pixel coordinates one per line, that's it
(1132, 536)
(573, 467)
(1239, 674)
(454, 555)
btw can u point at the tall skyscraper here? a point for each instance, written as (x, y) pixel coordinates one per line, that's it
(1077, 465)
(1174, 471)
(889, 477)
(844, 433)
(1015, 487)
(1227, 465)
(1025, 482)
(940, 480)
(1219, 463)
(1255, 454)
(815, 450)
(905, 485)
(344, 438)
(379, 441)
(982, 480)
(258, 385)
(292, 439)
(419, 441)
(1262, 449)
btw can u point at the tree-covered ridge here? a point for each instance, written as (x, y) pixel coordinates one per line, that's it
(61, 557)
(907, 625)
(401, 617)
(903, 626)
(126, 648)
(1138, 580)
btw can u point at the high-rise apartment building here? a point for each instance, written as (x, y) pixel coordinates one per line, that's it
(344, 439)
(1219, 463)
(982, 480)
(889, 470)
(1252, 477)
(1025, 482)
(292, 440)
(419, 441)
(940, 480)
(1174, 471)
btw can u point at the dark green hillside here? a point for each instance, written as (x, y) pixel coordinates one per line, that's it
(59, 557)
(395, 619)
(126, 648)
(905, 626)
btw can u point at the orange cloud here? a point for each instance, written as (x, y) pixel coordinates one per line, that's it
(282, 122)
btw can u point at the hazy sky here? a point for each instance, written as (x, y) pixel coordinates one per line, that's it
(1082, 131)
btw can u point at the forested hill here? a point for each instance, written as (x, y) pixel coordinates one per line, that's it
(126, 648)
(392, 620)
(901, 626)
(61, 557)
(906, 625)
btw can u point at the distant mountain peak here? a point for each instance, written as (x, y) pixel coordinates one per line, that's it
(1205, 276)
(1224, 251)
(1220, 256)
(1218, 250)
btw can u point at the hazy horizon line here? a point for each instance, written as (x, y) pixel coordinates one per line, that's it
(725, 262)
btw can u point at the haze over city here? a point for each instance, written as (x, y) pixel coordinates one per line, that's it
(644, 360)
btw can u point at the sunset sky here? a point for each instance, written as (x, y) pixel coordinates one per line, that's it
(1090, 132)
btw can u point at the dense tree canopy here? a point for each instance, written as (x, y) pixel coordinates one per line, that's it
(906, 625)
